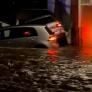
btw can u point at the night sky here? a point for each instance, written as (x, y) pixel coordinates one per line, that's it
(9, 8)
(22, 4)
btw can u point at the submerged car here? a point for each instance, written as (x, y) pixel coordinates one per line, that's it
(54, 24)
(34, 36)
(4, 24)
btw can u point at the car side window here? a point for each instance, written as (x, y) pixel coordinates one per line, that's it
(3, 34)
(19, 33)
(6, 33)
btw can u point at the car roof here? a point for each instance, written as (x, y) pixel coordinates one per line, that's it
(38, 18)
(19, 26)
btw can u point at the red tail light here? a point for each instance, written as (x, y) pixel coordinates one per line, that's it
(58, 24)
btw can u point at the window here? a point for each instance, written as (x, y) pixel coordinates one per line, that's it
(6, 33)
(19, 32)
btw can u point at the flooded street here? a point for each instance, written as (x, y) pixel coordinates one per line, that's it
(67, 69)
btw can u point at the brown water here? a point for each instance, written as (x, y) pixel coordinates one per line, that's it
(67, 69)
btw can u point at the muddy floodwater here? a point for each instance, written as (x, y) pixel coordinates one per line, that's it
(66, 69)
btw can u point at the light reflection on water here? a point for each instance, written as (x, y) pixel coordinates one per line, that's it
(86, 52)
(51, 70)
(52, 55)
(63, 53)
(83, 55)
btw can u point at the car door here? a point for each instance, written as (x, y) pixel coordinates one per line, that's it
(19, 37)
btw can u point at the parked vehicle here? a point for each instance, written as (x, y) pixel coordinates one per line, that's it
(47, 20)
(54, 24)
(34, 36)
(3, 24)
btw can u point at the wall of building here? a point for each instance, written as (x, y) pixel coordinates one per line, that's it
(75, 29)
(86, 25)
(84, 22)
(51, 5)
(67, 5)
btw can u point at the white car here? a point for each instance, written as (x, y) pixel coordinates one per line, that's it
(34, 36)
(3, 24)
(53, 23)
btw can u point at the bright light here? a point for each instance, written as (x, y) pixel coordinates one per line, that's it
(58, 24)
(26, 33)
(52, 38)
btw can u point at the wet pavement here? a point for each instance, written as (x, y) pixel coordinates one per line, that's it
(66, 69)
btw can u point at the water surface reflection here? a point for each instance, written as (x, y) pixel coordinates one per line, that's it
(45, 70)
